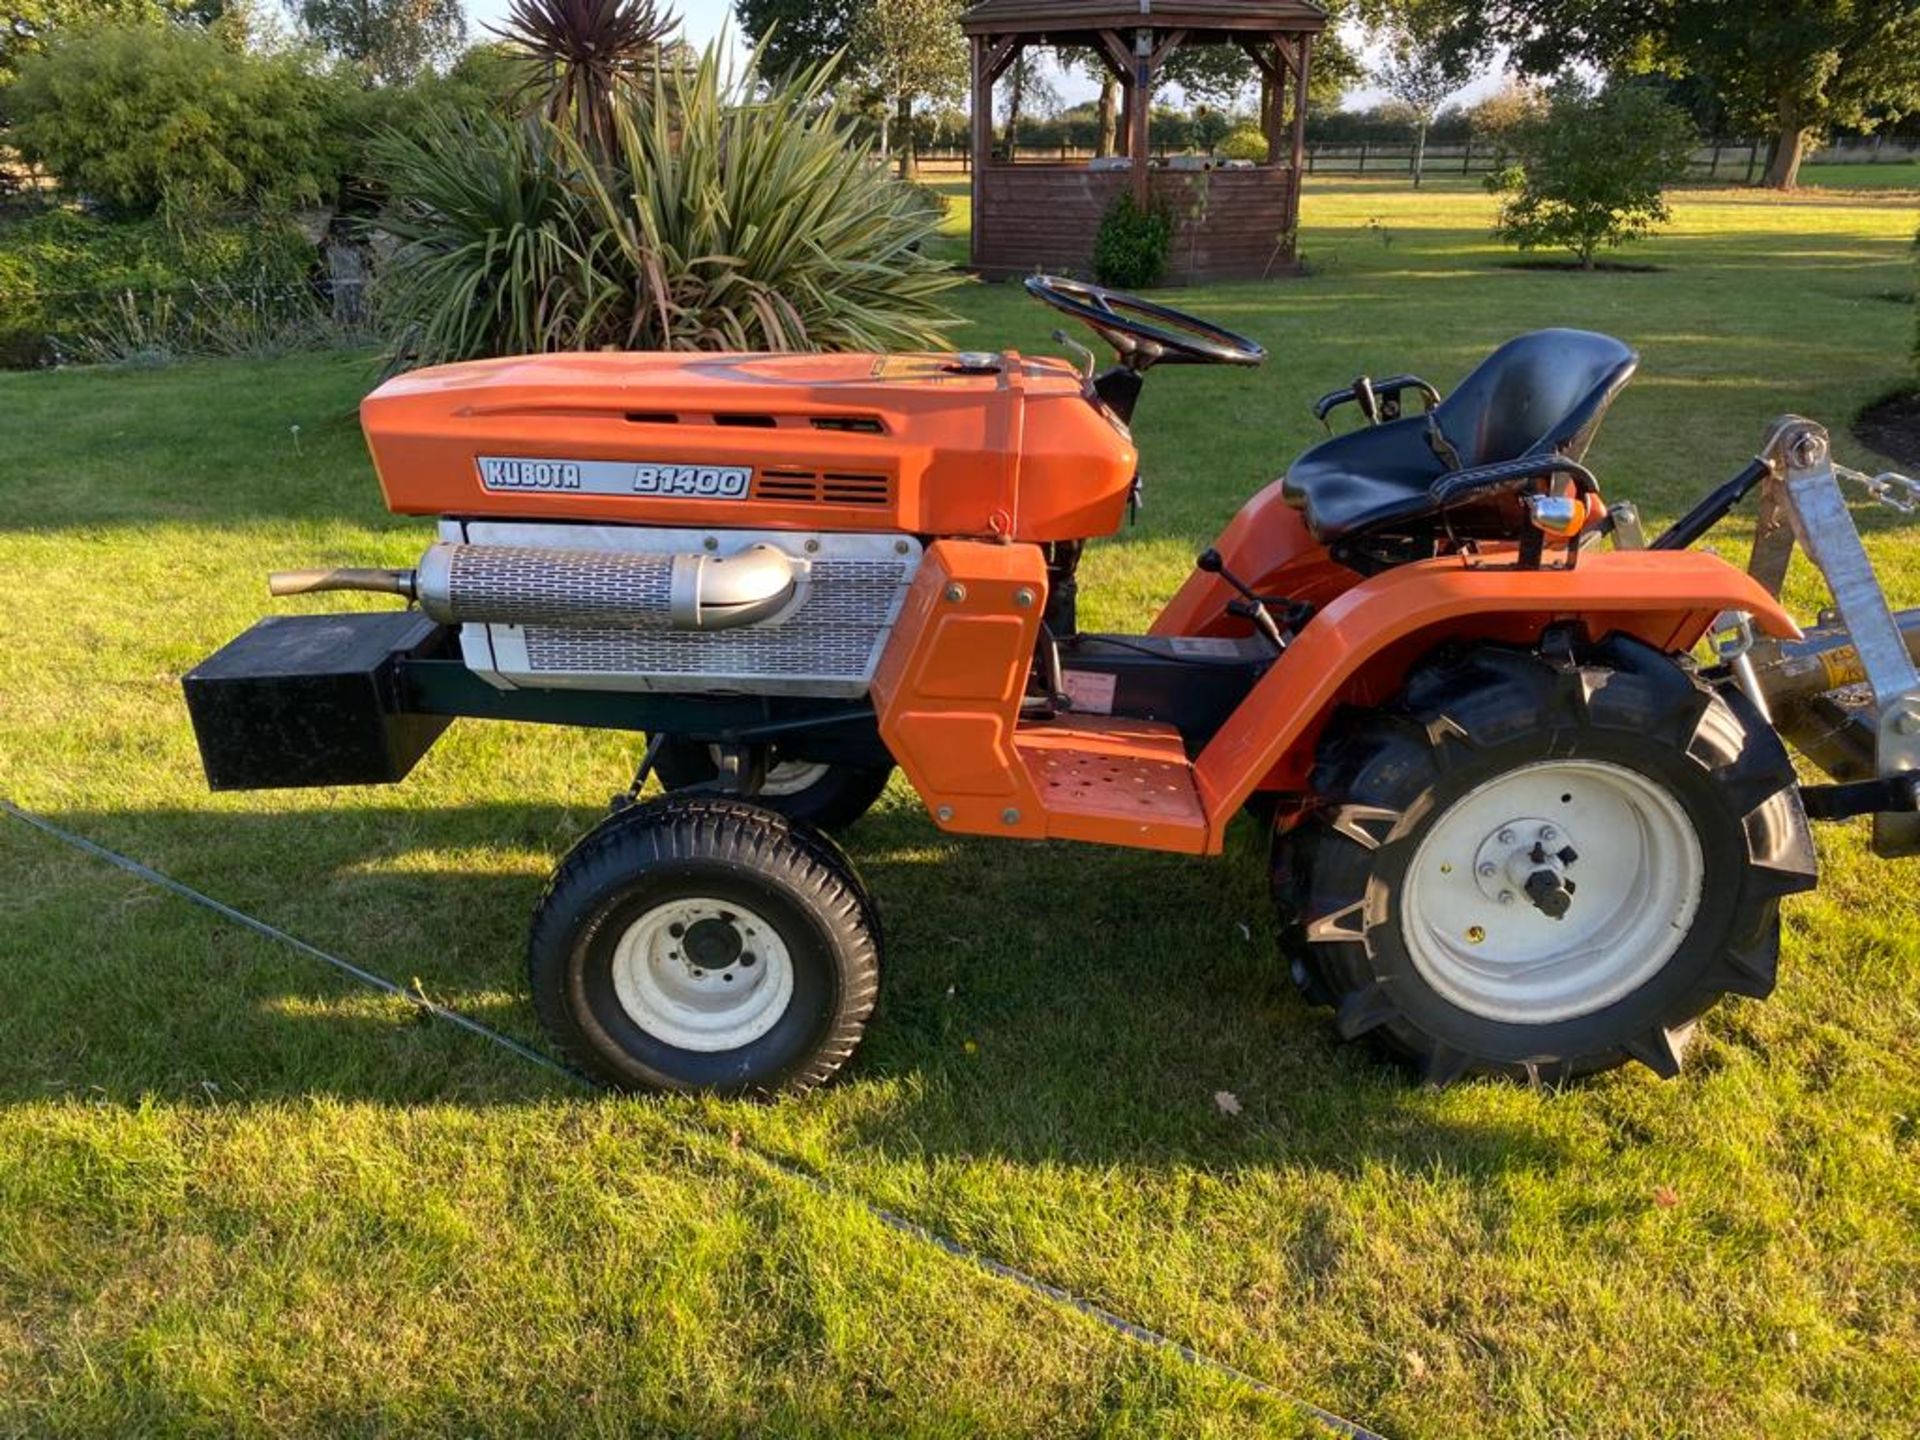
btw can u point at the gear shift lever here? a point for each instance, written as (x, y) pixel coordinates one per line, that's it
(1249, 606)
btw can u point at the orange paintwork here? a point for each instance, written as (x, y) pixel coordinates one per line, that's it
(1359, 647)
(1267, 544)
(947, 690)
(948, 693)
(835, 442)
(989, 467)
(949, 687)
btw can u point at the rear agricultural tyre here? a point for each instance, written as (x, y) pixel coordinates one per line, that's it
(1542, 868)
(701, 943)
(830, 796)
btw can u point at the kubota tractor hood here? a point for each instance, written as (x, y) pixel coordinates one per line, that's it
(970, 444)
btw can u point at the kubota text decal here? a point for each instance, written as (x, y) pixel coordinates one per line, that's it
(616, 477)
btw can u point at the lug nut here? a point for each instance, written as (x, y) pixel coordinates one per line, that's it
(1548, 833)
(1505, 837)
(1488, 870)
(1506, 897)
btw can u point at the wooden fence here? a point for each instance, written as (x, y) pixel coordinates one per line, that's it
(1739, 161)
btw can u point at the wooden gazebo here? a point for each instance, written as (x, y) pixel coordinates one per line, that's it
(1232, 223)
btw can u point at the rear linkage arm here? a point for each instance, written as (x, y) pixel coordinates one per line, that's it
(1801, 502)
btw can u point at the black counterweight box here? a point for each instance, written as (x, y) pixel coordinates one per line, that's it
(313, 700)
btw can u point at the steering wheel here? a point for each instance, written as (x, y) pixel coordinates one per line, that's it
(1142, 332)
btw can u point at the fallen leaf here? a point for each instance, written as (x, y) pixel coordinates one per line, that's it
(1227, 1102)
(1665, 1196)
(1416, 1364)
(969, 1047)
(1246, 931)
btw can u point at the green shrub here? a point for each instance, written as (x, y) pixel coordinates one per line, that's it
(1588, 171)
(64, 273)
(129, 115)
(723, 217)
(1245, 143)
(937, 202)
(1130, 248)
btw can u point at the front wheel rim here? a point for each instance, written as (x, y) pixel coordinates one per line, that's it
(1608, 846)
(703, 974)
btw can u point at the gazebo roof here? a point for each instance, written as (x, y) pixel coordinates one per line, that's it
(1199, 18)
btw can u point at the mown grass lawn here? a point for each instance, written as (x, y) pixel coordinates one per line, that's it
(238, 1194)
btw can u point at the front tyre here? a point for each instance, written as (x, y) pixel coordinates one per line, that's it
(1539, 868)
(705, 944)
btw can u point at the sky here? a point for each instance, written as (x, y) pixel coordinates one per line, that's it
(703, 20)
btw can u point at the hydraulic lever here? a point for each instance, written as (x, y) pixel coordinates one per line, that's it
(1249, 606)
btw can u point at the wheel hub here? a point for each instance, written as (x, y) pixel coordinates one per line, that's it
(712, 943)
(703, 974)
(1527, 859)
(1551, 891)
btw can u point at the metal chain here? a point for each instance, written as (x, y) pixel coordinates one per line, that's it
(1895, 491)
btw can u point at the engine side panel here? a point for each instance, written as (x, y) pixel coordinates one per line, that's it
(1002, 447)
(826, 643)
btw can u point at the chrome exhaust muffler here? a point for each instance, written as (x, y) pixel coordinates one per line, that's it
(581, 589)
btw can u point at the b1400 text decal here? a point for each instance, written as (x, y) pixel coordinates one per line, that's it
(616, 477)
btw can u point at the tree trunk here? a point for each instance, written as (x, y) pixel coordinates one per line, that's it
(903, 118)
(1789, 148)
(1109, 114)
(886, 118)
(1419, 152)
(1016, 97)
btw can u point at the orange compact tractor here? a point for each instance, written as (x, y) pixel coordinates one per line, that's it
(1518, 828)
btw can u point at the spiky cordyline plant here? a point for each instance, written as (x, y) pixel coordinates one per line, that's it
(723, 215)
(587, 54)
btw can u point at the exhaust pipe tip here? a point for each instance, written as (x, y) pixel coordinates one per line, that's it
(310, 582)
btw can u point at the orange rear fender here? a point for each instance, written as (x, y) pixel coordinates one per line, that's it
(1268, 545)
(1359, 647)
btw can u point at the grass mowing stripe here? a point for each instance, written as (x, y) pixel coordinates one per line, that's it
(900, 1224)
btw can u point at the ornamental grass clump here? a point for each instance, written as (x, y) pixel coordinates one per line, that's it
(707, 213)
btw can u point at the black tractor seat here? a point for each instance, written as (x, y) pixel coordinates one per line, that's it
(1537, 395)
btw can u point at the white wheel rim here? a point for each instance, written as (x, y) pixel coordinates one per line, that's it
(1636, 874)
(703, 974)
(785, 777)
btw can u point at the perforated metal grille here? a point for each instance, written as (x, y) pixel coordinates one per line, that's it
(833, 635)
(511, 584)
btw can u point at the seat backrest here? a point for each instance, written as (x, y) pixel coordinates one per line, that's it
(1539, 392)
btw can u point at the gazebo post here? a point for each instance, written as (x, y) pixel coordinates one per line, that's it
(980, 141)
(1139, 106)
(1299, 130)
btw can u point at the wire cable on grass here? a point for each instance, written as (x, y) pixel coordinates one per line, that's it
(787, 1169)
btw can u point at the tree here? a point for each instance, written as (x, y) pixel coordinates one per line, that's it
(1090, 64)
(1788, 70)
(797, 34)
(1588, 172)
(134, 115)
(31, 24)
(390, 42)
(1210, 127)
(912, 50)
(1420, 74)
(586, 54)
(1027, 85)
(729, 215)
